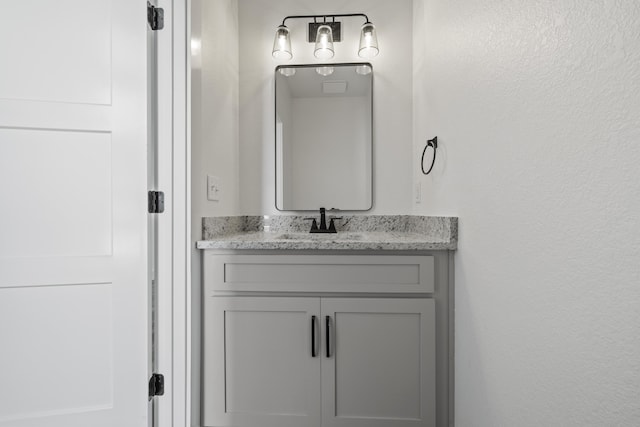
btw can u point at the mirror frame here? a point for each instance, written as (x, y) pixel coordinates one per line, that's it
(275, 144)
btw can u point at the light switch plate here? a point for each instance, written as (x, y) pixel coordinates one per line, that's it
(418, 192)
(214, 191)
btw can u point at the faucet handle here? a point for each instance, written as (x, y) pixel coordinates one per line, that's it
(314, 224)
(332, 225)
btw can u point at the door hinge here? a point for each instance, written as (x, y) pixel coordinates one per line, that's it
(156, 385)
(156, 202)
(155, 17)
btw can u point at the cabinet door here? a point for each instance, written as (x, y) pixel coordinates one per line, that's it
(258, 363)
(380, 368)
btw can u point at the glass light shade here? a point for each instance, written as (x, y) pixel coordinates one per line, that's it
(324, 43)
(368, 41)
(325, 71)
(363, 70)
(282, 44)
(287, 72)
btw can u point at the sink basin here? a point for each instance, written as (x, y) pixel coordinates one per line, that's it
(315, 236)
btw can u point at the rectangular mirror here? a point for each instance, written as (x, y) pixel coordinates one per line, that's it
(323, 123)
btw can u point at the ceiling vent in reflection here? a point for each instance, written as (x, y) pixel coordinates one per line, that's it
(334, 87)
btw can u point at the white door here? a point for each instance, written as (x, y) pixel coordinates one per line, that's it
(259, 365)
(379, 370)
(73, 221)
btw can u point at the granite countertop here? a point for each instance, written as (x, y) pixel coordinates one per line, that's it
(361, 232)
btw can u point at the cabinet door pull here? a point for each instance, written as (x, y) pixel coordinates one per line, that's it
(313, 336)
(328, 332)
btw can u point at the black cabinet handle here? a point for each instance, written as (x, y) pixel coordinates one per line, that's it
(328, 332)
(313, 336)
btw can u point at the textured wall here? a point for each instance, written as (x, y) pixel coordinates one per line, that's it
(536, 104)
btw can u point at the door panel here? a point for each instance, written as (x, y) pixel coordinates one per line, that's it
(381, 367)
(44, 46)
(71, 323)
(73, 253)
(259, 370)
(65, 205)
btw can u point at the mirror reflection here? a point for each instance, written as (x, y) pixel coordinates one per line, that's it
(323, 125)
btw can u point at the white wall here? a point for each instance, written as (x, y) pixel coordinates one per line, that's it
(214, 118)
(349, 166)
(392, 93)
(214, 138)
(536, 104)
(283, 145)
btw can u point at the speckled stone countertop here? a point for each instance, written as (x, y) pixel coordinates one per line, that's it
(355, 232)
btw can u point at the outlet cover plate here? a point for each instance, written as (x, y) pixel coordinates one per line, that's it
(213, 188)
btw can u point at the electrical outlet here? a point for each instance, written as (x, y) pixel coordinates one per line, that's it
(418, 192)
(214, 190)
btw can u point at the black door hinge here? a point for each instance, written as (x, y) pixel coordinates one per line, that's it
(155, 17)
(156, 202)
(156, 385)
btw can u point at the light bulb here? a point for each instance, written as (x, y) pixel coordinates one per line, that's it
(287, 72)
(324, 71)
(363, 69)
(368, 41)
(324, 43)
(282, 44)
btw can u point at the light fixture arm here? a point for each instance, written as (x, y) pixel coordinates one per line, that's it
(343, 15)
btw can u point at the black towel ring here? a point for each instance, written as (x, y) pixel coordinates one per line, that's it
(430, 143)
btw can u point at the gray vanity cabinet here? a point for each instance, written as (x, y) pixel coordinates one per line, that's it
(305, 340)
(258, 369)
(380, 368)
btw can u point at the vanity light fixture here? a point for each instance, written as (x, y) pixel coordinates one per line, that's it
(323, 34)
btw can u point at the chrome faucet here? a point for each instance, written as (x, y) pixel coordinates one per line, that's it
(323, 223)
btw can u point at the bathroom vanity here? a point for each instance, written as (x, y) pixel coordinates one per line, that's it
(351, 329)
